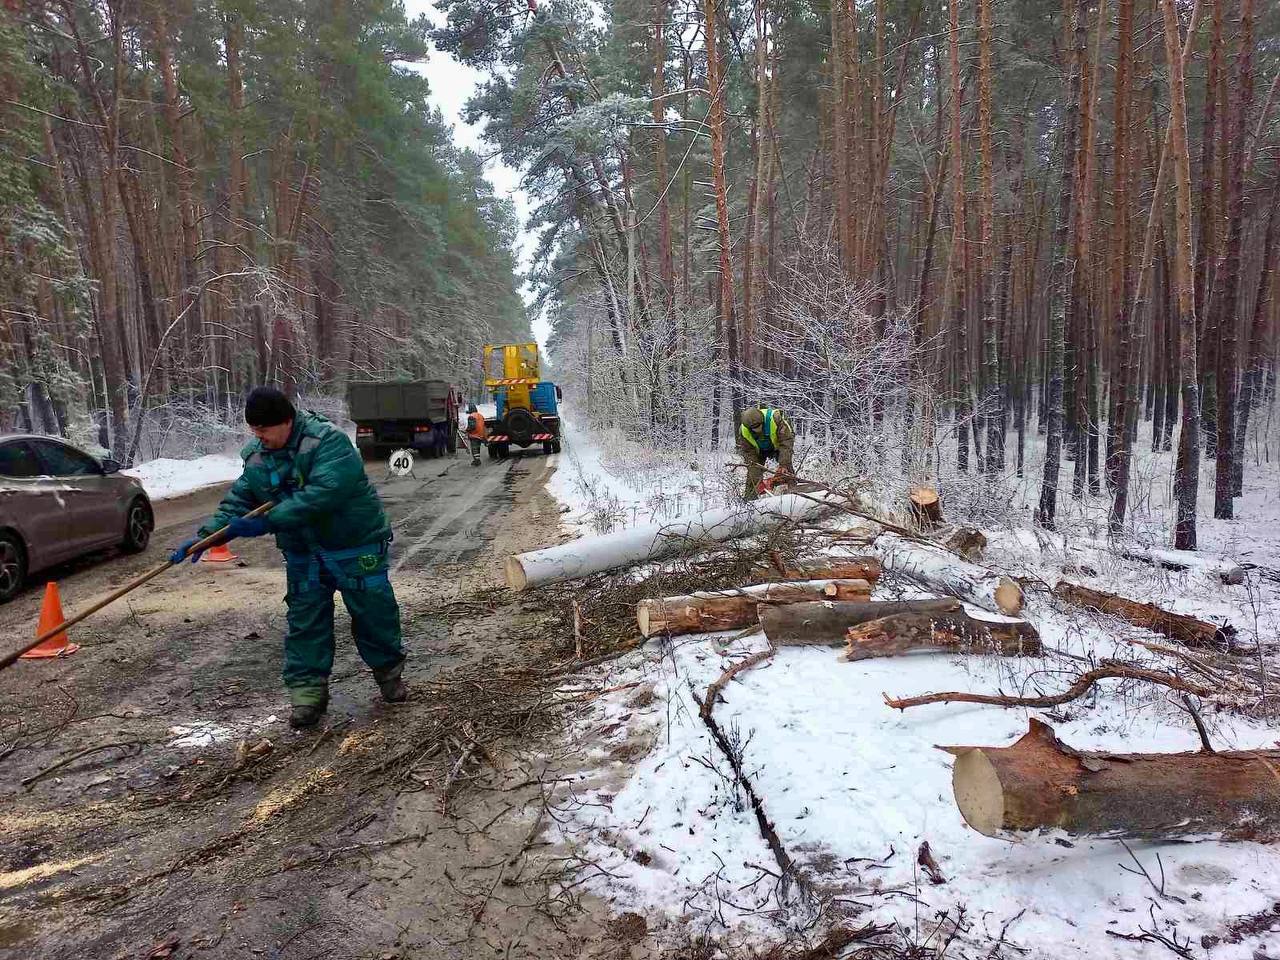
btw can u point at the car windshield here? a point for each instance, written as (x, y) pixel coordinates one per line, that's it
(63, 461)
(17, 459)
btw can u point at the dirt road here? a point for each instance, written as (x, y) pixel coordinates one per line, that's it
(156, 804)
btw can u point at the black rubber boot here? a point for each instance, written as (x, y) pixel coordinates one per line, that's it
(306, 715)
(393, 688)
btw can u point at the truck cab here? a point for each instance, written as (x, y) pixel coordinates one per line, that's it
(528, 407)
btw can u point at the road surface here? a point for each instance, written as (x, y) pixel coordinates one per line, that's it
(155, 800)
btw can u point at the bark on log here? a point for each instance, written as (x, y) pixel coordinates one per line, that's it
(732, 609)
(850, 568)
(1176, 626)
(1040, 783)
(1228, 572)
(947, 573)
(817, 624)
(890, 636)
(588, 555)
(926, 508)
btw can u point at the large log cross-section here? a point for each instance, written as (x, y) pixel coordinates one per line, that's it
(1041, 783)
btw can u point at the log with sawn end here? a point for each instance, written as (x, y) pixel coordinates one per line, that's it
(1040, 783)
(825, 624)
(956, 631)
(1176, 626)
(946, 573)
(733, 609)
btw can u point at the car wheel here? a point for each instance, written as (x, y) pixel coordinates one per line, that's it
(548, 447)
(138, 525)
(13, 566)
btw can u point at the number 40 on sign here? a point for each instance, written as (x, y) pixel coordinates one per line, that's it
(401, 463)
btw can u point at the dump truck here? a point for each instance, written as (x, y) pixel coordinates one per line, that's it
(420, 415)
(528, 411)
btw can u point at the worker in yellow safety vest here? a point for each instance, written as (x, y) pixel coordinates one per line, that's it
(764, 434)
(477, 432)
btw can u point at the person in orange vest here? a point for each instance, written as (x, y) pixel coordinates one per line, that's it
(476, 433)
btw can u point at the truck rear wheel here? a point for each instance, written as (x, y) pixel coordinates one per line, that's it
(548, 447)
(555, 446)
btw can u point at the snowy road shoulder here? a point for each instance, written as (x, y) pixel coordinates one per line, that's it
(166, 478)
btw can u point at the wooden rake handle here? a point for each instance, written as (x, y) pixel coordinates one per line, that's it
(212, 540)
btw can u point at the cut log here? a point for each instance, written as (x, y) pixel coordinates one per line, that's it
(1176, 626)
(1040, 783)
(946, 573)
(1181, 560)
(926, 507)
(845, 568)
(588, 555)
(732, 609)
(958, 632)
(819, 624)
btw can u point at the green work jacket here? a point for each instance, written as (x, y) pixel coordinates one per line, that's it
(323, 498)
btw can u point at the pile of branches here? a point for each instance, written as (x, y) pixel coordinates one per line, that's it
(596, 617)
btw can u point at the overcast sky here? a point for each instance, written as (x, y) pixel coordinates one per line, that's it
(452, 84)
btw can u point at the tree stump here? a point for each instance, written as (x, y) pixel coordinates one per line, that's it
(926, 507)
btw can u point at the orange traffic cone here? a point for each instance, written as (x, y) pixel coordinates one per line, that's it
(50, 617)
(219, 554)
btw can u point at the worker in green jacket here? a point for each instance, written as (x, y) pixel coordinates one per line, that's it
(329, 523)
(764, 434)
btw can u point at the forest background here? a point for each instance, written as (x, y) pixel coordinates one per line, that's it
(976, 240)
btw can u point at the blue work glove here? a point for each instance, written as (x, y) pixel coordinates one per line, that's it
(181, 553)
(248, 527)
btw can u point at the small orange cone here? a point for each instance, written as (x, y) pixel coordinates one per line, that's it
(50, 617)
(219, 554)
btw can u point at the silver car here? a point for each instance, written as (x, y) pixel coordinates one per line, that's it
(57, 502)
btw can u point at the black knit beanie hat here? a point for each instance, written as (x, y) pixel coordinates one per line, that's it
(267, 407)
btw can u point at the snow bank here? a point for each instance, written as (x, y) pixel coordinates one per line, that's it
(166, 478)
(610, 483)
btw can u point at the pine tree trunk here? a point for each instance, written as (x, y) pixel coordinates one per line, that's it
(1062, 282)
(992, 410)
(1187, 481)
(1241, 93)
(1256, 364)
(715, 123)
(958, 258)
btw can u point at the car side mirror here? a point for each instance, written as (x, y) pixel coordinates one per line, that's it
(110, 466)
(559, 394)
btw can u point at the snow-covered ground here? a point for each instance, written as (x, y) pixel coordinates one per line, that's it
(854, 787)
(166, 477)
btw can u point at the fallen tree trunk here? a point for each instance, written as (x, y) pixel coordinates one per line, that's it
(1040, 783)
(588, 555)
(1176, 626)
(817, 624)
(947, 573)
(1180, 560)
(893, 635)
(732, 609)
(851, 568)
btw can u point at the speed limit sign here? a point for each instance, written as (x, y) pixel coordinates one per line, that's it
(401, 463)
